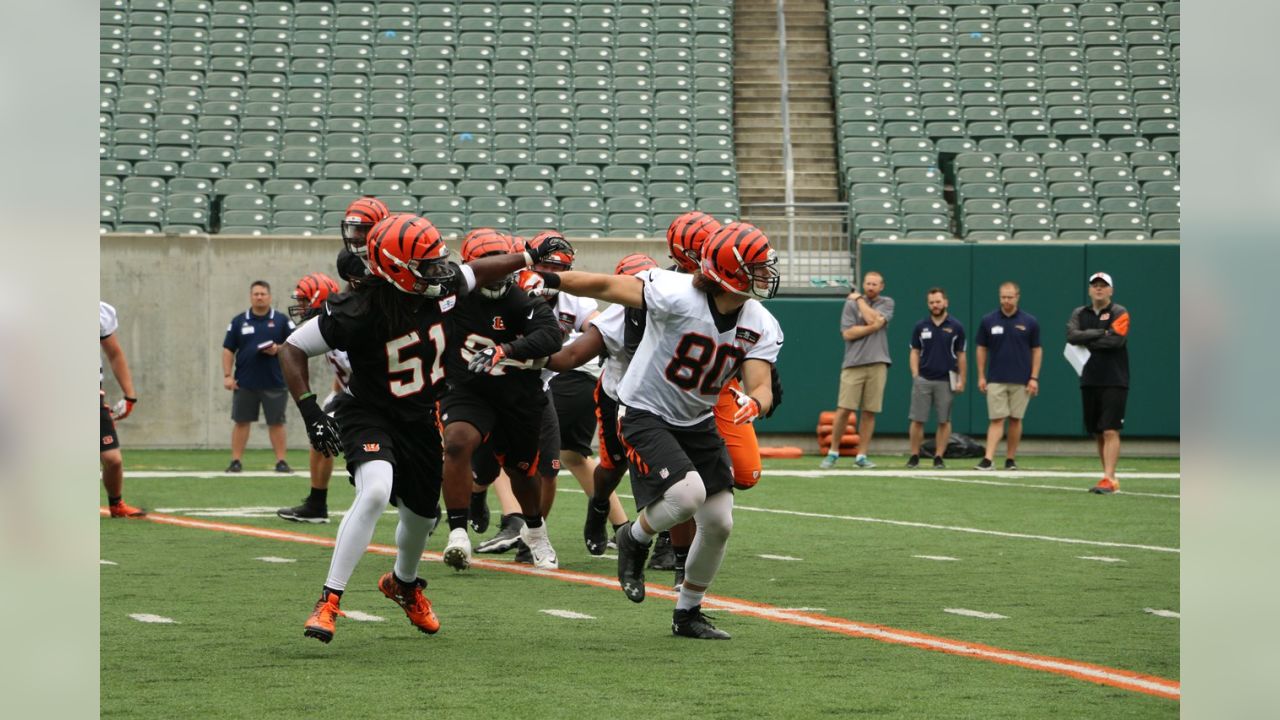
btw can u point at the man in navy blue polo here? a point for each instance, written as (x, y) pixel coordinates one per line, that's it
(1009, 356)
(251, 343)
(937, 373)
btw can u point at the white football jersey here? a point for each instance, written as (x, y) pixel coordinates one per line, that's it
(612, 323)
(108, 323)
(685, 358)
(572, 312)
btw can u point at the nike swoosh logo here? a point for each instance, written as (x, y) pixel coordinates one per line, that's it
(530, 317)
(779, 342)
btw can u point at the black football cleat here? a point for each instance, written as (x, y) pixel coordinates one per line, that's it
(593, 530)
(478, 512)
(305, 512)
(692, 623)
(663, 557)
(631, 557)
(507, 537)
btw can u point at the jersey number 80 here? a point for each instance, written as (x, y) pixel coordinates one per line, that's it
(699, 364)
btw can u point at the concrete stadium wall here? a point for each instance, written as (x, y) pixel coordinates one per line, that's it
(175, 295)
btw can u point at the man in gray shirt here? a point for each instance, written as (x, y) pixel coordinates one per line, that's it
(866, 365)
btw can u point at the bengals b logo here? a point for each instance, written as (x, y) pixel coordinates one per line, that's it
(499, 323)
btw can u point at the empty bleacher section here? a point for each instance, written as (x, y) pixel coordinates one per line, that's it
(601, 117)
(1008, 120)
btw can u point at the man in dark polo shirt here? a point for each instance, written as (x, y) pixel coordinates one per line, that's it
(1009, 356)
(1102, 328)
(937, 373)
(252, 340)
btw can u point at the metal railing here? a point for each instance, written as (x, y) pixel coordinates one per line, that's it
(815, 255)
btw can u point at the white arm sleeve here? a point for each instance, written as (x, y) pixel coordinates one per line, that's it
(468, 277)
(308, 339)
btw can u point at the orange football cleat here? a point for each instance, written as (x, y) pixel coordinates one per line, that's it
(120, 509)
(1105, 486)
(410, 598)
(321, 623)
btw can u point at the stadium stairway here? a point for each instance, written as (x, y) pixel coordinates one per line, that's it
(757, 102)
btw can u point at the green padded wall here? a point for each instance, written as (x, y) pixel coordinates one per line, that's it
(1053, 279)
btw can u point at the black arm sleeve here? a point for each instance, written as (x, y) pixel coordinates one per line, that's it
(540, 328)
(1077, 336)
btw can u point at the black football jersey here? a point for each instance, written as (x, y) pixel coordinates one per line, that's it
(397, 359)
(527, 326)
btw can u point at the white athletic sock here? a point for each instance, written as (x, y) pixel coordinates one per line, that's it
(859, 457)
(689, 598)
(638, 534)
(411, 538)
(373, 491)
(833, 453)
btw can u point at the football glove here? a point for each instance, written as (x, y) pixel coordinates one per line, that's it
(538, 284)
(122, 409)
(322, 430)
(748, 408)
(553, 244)
(487, 360)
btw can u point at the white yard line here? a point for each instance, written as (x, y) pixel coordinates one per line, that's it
(780, 557)
(1163, 613)
(149, 618)
(956, 528)
(274, 559)
(569, 615)
(928, 472)
(362, 616)
(1099, 558)
(942, 558)
(997, 483)
(257, 512)
(107, 562)
(975, 614)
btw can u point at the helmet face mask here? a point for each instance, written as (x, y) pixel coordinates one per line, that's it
(309, 294)
(428, 276)
(360, 218)
(738, 258)
(558, 261)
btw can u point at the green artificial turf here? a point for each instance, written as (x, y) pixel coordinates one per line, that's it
(237, 650)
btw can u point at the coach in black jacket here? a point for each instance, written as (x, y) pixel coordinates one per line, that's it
(1102, 328)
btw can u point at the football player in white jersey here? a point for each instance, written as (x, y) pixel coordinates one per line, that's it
(308, 297)
(606, 334)
(701, 329)
(108, 441)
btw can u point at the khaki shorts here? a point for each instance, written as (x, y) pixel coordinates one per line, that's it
(1007, 400)
(862, 387)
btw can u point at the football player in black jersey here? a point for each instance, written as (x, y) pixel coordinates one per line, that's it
(393, 329)
(495, 394)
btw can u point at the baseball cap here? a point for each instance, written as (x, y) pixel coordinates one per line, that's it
(1101, 276)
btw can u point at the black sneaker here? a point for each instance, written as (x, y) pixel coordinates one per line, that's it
(593, 533)
(631, 557)
(305, 513)
(913, 462)
(692, 623)
(1009, 464)
(234, 466)
(478, 513)
(283, 467)
(938, 464)
(664, 557)
(984, 465)
(523, 553)
(507, 537)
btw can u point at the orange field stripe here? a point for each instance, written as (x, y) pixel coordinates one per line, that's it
(1123, 679)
